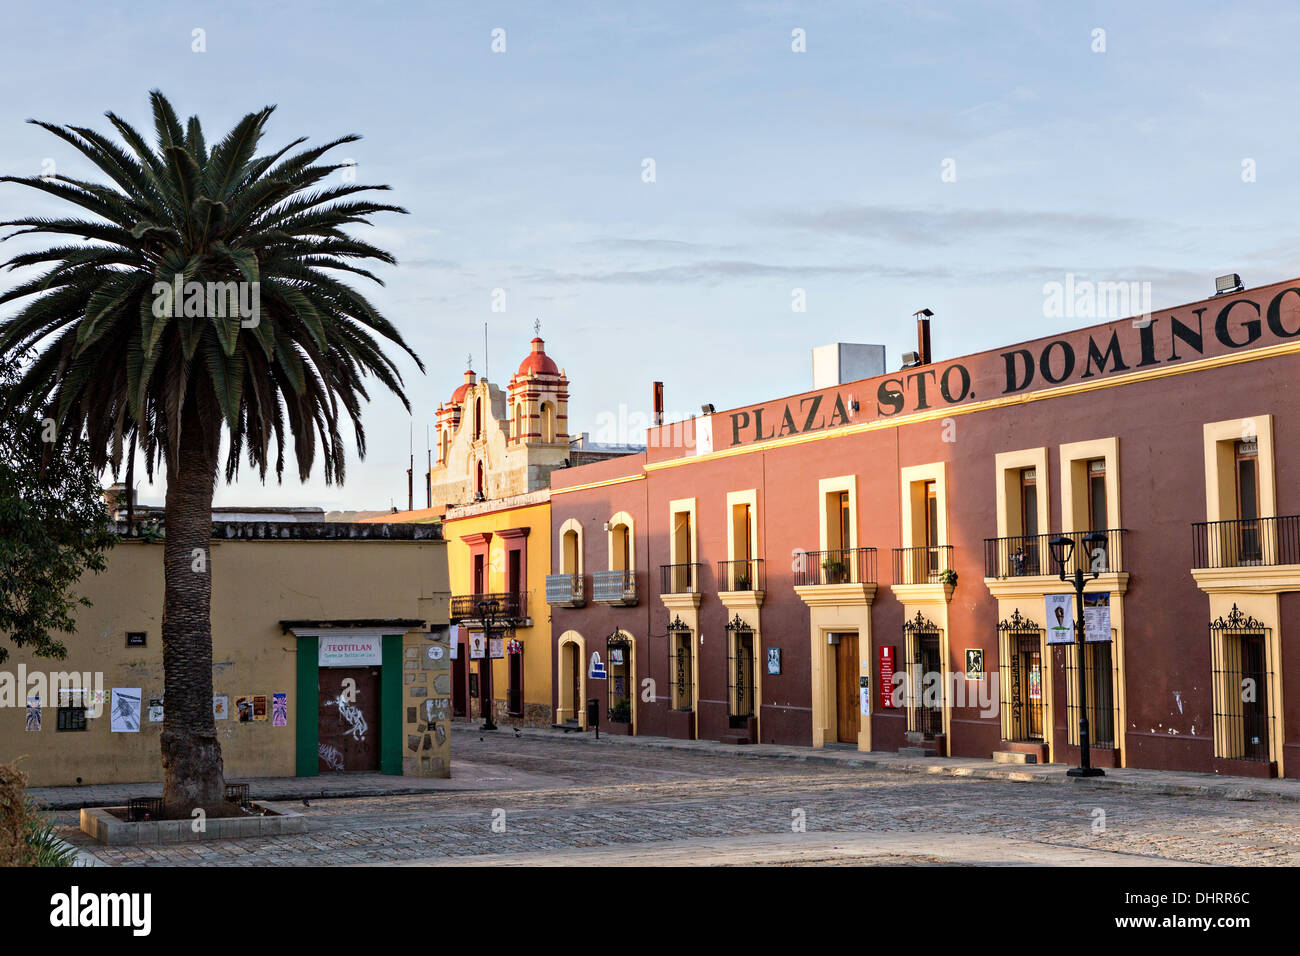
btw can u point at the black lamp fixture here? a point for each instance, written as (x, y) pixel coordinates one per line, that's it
(1062, 547)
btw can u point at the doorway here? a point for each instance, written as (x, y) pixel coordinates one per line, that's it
(569, 694)
(1026, 688)
(848, 720)
(460, 679)
(348, 705)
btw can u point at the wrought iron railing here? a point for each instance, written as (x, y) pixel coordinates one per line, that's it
(511, 607)
(614, 587)
(679, 578)
(1246, 542)
(923, 565)
(837, 566)
(743, 575)
(1031, 555)
(565, 590)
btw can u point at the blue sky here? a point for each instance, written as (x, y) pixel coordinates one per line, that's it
(774, 171)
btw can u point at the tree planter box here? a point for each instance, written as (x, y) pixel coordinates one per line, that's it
(109, 825)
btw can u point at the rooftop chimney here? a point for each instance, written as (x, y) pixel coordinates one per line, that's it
(923, 337)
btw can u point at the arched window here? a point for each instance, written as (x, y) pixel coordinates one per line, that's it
(519, 421)
(482, 481)
(478, 418)
(548, 422)
(446, 441)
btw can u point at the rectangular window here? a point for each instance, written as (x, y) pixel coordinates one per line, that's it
(1246, 463)
(932, 541)
(1097, 514)
(513, 583)
(846, 522)
(1029, 502)
(1099, 679)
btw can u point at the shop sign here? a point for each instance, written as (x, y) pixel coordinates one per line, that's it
(350, 652)
(887, 676)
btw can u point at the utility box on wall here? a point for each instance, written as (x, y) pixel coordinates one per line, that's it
(844, 362)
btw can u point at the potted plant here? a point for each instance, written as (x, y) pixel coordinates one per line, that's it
(742, 582)
(620, 712)
(949, 577)
(835, 571)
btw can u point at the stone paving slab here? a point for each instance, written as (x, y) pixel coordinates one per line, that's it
(1155, 781)
(673, 805)
(809, 849)
(466, 775)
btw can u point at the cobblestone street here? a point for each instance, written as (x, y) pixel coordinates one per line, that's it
(558, 799)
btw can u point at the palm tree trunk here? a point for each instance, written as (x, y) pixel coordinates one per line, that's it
(191, 753)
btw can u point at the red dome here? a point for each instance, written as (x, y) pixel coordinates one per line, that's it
(458, 396)
(538, 361)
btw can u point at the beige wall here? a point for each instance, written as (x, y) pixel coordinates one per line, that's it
(255, 585)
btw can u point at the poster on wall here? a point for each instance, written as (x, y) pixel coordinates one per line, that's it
(454, 640)
(279, 710)
(616, 655)
(477, 646)
(974, 663)
(244, 709)
(1096, 618)
(774, 660)
(1060, 618)
(220, 708)
(259, 707)
(155, 710)
(34, 713)
(864, 694)
(497, 646)
(125, 716)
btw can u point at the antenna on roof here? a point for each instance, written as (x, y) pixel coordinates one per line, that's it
(485, 352)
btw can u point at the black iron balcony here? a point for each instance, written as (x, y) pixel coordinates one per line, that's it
(743, 575)
(923, 565)
(614, 587)
(679, 578)
(565, 590)
(1246, 542)
(512, 607)
(1031, 555)
(838, 566)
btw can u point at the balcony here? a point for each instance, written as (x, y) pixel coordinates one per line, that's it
(923, 565)
(679, 578)
(744, 575)
(838, 566)
(565, 590)
(512, 608)
(1246, 542)
(1031, 556)
(615, 588)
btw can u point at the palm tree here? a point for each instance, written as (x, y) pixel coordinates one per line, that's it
(121, 361)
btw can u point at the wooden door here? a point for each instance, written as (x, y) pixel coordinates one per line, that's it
(460, 680)
(349, 718)
(847, 696)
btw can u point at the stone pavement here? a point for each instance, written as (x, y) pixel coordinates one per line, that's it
(543, 797)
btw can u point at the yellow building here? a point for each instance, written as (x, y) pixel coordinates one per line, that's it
(491, 487)
(297, 610)
(498, 555)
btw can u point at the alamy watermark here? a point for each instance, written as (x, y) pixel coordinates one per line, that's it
(1085, 299)
(213, 300)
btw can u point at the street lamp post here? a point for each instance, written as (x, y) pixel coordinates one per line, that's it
(1062, 550)
(488, 611)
